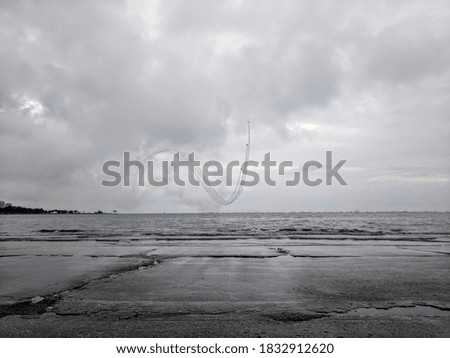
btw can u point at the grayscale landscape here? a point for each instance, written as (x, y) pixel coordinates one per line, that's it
(225, 168)
(226, 275)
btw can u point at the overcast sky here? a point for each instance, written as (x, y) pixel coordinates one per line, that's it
(83, 81)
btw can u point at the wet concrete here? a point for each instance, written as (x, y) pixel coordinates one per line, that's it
(240, 288)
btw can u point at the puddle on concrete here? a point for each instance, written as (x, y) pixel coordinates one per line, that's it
(400, 311)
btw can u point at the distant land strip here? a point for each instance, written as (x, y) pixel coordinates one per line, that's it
(11, 210)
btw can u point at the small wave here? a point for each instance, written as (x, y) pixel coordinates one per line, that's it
(193, 234)
(67, 231)
(330, 231)
(288, 229)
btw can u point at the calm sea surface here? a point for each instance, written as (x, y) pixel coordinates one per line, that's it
(392, 226)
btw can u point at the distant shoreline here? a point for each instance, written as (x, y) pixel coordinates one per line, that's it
(20, 210)
(17, 210)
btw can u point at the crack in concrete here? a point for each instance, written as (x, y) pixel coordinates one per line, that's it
(27, 307)
(296, 316)
(385, 308)
(306, 316)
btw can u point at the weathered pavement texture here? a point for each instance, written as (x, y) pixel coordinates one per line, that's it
(225, 288)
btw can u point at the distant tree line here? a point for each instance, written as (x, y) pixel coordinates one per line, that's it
(10, 210)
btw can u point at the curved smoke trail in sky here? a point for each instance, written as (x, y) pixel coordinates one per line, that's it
(239, 185)
(199, 176)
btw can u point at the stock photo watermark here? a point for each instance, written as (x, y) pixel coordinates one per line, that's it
(213, 173)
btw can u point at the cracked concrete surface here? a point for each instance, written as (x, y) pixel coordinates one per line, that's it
(223, 288)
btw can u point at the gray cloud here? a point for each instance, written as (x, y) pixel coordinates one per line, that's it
(81, 82)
